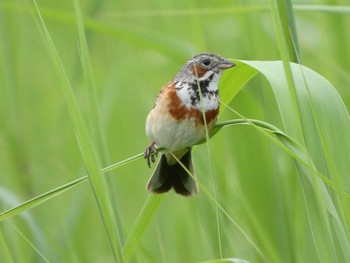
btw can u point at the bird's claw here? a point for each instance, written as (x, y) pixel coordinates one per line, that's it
(150, 154)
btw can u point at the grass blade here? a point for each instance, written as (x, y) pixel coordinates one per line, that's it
(25, 206)
(87, 150)
(286, 17)
(142, 221)
(94, 120)
(31, 203)
(30, 243)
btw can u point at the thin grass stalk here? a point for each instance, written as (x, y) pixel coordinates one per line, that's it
(94, 119)
(4, 249)
(19, 232)
(285, 11)
(284, 53)
(211, 165)
(338, 9)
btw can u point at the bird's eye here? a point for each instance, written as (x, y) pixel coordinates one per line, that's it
(206, 62)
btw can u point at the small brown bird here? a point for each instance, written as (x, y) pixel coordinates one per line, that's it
(176, 121)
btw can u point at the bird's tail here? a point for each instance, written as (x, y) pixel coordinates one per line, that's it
(167, 176)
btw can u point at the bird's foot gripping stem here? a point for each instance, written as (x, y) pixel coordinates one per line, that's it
(150, 154)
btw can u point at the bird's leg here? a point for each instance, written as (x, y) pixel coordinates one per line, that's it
(150, 154)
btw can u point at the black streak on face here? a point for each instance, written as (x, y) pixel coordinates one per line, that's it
(203, 84)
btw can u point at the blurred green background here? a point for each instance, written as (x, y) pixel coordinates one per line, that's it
(135, 47)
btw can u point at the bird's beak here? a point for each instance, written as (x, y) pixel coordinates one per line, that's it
(224, 64)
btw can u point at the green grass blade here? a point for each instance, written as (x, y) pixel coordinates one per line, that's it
(31, 203)
(30, 243)
(286, 18)
(147, 212)
(284, 50)
(94, 120)
(216, 196)
(90, 159)
(4, 249)
(337, 9)
(25, 206)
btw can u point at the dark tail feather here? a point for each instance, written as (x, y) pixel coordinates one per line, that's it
(167, 176)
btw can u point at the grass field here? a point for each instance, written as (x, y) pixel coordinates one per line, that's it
(77, 80)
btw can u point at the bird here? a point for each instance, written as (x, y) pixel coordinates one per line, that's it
(176, 122)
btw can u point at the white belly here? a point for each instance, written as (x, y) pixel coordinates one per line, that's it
(171, 134)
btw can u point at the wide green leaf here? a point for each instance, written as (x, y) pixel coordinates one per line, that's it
(325, 127)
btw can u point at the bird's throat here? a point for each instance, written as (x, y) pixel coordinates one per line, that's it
(205, 89)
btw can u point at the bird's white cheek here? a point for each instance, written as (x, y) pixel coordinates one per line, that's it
(206, 75)
(213, 85)
(185, 96)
